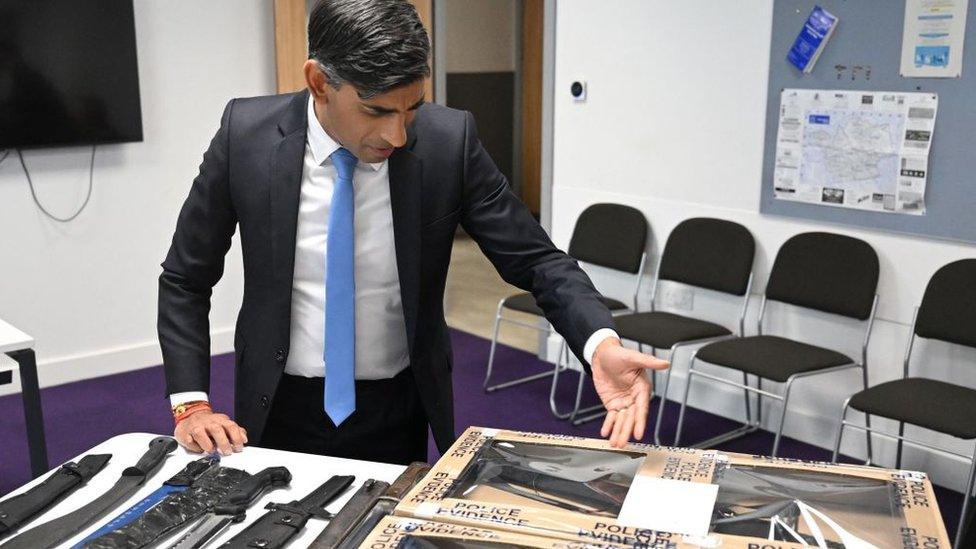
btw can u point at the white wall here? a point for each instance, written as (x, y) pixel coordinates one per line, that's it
(480, 35)
(674, 125)
(86, 290)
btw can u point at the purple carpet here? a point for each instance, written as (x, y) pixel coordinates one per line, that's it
(78, 416)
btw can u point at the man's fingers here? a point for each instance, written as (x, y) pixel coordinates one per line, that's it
(618, 426)
(651, 362)
(186, 439)
(202, 438)
(626, 428)
(216, 431)
(608, 423)
(640, 416)
(235, 434)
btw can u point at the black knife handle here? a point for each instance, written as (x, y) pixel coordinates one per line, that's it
(241, 496)
(159, 448)
(323, 495)
(192, 471)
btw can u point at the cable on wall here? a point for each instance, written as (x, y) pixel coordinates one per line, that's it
(4, 157)
(30, 183)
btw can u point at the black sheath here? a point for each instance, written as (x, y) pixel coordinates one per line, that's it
(23, 507)
(57, 531)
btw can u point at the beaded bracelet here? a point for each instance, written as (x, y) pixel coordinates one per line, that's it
(182, 411)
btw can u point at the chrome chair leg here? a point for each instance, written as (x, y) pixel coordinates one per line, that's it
(759, 396)
(967, 497)
(901, 444)
(494, 342)
(840, 431)
(562, 366)
(745, 381)
(782, 417)
(552, 390)
(660, 408)
(579, 396)
(867, 417)
(684, 400)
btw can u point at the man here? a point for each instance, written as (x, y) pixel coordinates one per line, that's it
(348, 196)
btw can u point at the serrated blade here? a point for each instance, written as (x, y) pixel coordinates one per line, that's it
(204, 531)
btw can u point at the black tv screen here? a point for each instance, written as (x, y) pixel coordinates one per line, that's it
(68, 73)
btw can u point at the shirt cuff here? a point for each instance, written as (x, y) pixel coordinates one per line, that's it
(176, 399)
(595, 340)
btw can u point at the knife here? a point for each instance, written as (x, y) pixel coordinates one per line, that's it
(233, 507)
(177, 483)
(276, 528)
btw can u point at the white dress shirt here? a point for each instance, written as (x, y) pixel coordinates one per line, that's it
(381, 337)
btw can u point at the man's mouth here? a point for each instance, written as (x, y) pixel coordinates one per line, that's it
(385, 151)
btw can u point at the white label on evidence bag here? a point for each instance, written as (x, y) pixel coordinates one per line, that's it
(669, 505)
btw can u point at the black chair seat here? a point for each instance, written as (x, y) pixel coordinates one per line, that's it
(771, 357)
(662, 330)
(929, 403)
(525, 303)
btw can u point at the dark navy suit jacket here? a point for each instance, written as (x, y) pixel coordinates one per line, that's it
(441, 177)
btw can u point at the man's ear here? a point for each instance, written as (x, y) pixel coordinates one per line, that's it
(315, 79)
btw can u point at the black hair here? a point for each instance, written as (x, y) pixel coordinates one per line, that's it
(374, 45)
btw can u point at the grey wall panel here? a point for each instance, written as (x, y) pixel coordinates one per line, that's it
(870, 34)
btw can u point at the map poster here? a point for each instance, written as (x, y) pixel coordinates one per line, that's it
(867, 150)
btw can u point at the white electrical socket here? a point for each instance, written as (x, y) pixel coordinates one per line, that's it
(682, 299)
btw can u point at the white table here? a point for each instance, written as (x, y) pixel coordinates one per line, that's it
(308, 472)
(20, 347)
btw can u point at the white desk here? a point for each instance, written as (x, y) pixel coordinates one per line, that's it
(20, 347)
(308, 472)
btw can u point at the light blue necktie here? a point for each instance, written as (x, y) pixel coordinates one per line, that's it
(340, 295)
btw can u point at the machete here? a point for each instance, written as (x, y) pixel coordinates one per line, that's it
(233, 507)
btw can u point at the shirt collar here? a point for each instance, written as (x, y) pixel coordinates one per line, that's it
(321, 144)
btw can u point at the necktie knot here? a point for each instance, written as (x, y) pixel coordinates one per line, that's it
(345, 163)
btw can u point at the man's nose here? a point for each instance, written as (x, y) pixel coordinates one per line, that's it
(395, 132)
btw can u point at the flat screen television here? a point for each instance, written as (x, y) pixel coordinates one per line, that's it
(68, 73)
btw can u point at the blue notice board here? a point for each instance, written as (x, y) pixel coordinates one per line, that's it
(867, 45)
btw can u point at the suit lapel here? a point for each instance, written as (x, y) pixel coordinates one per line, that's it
(406, 177)
(286, 181)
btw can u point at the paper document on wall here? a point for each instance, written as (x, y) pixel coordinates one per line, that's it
(933, 38)
(867, 150)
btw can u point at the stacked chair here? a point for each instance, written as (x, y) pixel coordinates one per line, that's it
(947, 314)
(713, 254)
(612, 236)
(823, 271)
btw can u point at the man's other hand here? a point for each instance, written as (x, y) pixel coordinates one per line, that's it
(620, 379)
(205, 431)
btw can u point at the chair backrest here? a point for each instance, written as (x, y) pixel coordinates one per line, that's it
(826, 271)
(709, 253)
(948, 309)
(610, 235)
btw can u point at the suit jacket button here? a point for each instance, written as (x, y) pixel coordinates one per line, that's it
(264, 401)
(280, 356)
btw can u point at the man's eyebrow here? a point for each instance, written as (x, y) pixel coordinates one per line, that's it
(385, 110)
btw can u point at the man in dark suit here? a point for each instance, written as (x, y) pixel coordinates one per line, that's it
(348, 196)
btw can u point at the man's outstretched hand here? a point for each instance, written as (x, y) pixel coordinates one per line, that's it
(206, 431)
(619, 375)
